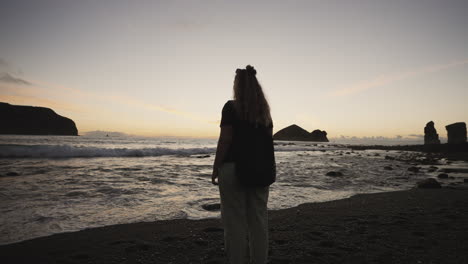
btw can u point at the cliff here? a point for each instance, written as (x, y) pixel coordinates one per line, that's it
(296, 133)
(30, 120)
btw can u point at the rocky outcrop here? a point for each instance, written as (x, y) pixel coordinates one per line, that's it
(29, 120)
(456, 133)
(297, 133)
(430, 134)
(319, 135)
(429, 183)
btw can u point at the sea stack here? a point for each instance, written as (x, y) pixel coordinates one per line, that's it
(297, 133)
(319, 135)
(456, 133)
(430, 134)
(30, 120)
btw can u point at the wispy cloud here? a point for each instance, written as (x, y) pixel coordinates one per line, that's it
(4, 64)
(38, 101)
(8, 78)
(153, 107)
(391, 78)
(34, 92)
(7, 67)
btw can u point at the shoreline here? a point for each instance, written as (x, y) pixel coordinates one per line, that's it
(389, 227)
(449, 151)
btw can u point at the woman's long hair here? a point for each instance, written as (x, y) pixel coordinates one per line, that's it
(252, 104)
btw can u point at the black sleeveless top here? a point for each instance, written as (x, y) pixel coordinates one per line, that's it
(251, 150)
(241, 129)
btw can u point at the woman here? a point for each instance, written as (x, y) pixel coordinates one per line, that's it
(245, 167)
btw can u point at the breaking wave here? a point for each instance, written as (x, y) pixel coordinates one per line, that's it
(67, 151)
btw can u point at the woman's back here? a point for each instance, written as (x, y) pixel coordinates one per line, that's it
(251, 148)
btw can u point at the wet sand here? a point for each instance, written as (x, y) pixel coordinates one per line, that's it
(413, 226)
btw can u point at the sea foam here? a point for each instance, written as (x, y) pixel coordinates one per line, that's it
(70, 151)
(67, 151)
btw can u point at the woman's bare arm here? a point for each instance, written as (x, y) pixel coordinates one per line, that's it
(224, 143)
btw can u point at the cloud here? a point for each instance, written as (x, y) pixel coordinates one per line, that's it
(8, 78)
(38, 101)
(122, 99)
(416, 135)
(386, 79)
(134, 102)
(4, 64)
(7, 67)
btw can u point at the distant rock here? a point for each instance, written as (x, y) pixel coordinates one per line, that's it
(297, 133)
(334, 174)
(456, 133)
(430, 134)
(30, 120)
(202, 156)
(212, 207)
(292, 132)
(442, 176)
(319, 136)
(429, 183)
(413, 169)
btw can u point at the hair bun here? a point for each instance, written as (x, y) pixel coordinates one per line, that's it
(251, 69)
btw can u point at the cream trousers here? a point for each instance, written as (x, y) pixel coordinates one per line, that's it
(245, 218)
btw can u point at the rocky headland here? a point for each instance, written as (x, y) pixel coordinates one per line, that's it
(30, 120)
(297, 133)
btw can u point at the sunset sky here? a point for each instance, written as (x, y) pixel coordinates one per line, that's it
(352, 68)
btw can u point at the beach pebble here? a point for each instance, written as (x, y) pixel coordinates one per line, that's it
(442, 176)
(212, 207)
(413, 169)
(429, 183)
(202, 156)
(455, 170)
(334, 173)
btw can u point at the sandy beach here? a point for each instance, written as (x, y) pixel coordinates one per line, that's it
(413, 226)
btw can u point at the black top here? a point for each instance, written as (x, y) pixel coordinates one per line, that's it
(243, 132)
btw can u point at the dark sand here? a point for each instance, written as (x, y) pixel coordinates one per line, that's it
(414, 226)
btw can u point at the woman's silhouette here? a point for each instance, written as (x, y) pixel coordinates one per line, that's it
(245, 166)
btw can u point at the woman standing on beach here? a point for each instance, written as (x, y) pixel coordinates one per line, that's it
(245, 166)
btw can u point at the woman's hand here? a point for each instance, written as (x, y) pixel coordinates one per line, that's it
(214, 176)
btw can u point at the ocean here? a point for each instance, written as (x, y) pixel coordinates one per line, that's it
(54, 184)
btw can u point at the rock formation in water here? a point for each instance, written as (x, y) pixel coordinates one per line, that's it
(30, 120)
(296, 133)
(319, 135)
(430, 134)
(456, 133)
